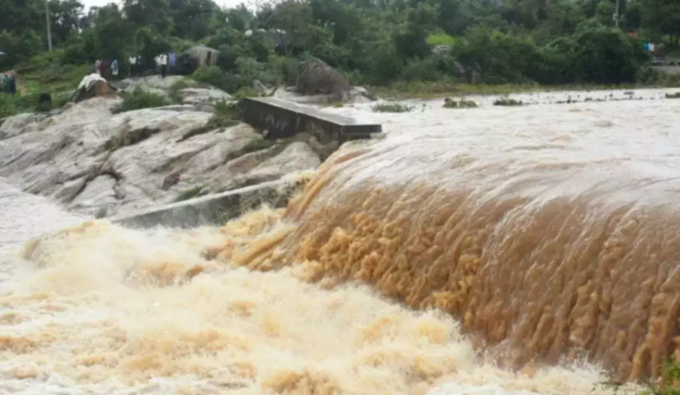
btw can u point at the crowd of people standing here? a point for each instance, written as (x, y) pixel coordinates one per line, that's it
(163, 64)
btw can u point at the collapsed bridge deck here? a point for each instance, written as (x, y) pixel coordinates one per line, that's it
(283, 119)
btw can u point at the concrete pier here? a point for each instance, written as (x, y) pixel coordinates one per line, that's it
(283, 119)
(214, 209)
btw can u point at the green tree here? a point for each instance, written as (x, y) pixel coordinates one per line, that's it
(604, 12)
(150, 43)
(499, 57)
(65, 17)
(19, 47)
(191, 17)
(411, 41)
(110, 32)
(149, 13)
(662, 16)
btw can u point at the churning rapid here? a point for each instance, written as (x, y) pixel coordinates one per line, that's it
(520, 236)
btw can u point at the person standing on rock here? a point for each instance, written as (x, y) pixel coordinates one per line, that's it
(12, 85)
(97, 63)
(102, 67)
(114, 67)
(173, 62)
(133, 66)
(5, 83)
(164, 65)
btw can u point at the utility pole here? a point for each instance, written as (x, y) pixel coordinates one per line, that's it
(618, 15)
(49, 30)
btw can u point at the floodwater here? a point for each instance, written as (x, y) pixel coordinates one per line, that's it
(527, 240)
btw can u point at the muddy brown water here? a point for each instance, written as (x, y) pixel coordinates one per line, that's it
(465, 244)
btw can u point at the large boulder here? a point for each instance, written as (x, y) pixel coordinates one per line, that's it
(44, 103)
(92, 85)
(316, 77)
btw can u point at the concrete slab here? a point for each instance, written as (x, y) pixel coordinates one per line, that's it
(283, 119)
(214, 209)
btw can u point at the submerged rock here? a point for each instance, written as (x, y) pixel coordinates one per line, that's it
(200, 97)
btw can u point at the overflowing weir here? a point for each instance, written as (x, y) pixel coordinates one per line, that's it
(545, 237)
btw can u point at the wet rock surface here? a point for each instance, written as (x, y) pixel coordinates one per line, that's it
(95, 162)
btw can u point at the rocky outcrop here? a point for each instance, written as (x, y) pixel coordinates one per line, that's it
(95, 162)
(152, 83)
(201, 97)
(266, 165)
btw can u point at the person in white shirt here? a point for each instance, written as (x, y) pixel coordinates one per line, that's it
(164, 64)
(133, 66)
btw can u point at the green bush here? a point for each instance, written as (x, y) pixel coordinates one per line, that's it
(451, 103)
(246, 92)
(499, 57)
(215, 76)
(392, 107)
(441, 38)
(670, 377)
(173, 92)
(507, 102)
(286, 69)
(9, 105)
(139, 99)
(421, 70)
(603, 55)
(228, 56)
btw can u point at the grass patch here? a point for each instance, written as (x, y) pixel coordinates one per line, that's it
(506, 101)
(189, 194)
(392, 107)
(140, 99)
(9, 105)
(675, 95)
(452, 103)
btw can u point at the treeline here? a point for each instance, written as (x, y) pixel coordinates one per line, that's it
(375, 42)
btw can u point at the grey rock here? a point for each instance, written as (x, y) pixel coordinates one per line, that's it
(295, 158)
(202, 96)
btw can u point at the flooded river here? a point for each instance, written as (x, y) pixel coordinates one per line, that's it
(488, 251)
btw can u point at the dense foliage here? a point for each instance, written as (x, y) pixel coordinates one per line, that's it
(375, 42)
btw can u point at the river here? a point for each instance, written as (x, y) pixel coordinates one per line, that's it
(98, 309)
